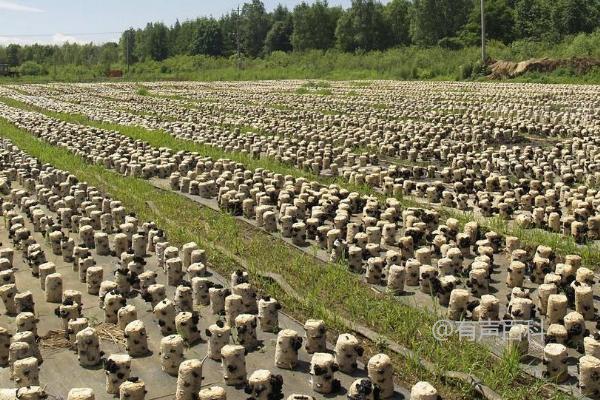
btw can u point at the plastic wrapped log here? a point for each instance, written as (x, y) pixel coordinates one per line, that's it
(138, 244)
(26, 372)
(125, 315)
(113, 301)
(557, 308)
(423, 391)
(322, 370)
(93, 279)
(347, 350)
(120, 244)
(363, 389)
(263, 385)
(171, 353)
(555, 360)
(218, 336)
(174, 271)
(26, 393)
(102, 244)
(74, 326)
(81, 394)
(183, 298)
(156, 293)
(45, 270)
(589, 376)
(412, 272)
(132, 390)
(516, 274)
(584, 302)
(17, 351)
(212, 393)
(233, 359)
(4, 346)
(457, 307)
(67, 312)
(575, 326)
(8, 293)
(105, 287)
(137, 339)
(88, 347)
(26, 321)
(196, 270)
(53, 287)
(316, 336)
(189, 380)
(521, 309)
(248, 295)
(32, 340)
(200, 288)
(233, 308)
(186, 325)
(268, 314)
(217, 299)
(488, 309)
(246, 325)
(186, 253)
(556, 333)
(381, 371)
(147, 278)
(117, 369)
(591, 345)
(165, 313)
(286, 349)
(24, 302)
(544, 292)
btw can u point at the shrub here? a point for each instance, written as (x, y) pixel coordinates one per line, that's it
(32, 68)
(451, 43)
(465, 71)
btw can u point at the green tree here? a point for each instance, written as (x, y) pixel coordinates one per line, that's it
(314, 26)
(108, 53)
(398, 14)
(172, 39)
(13, 55)
(499, 23)
(437, 19)
(575, 16)
(207, 37)
(152, 42)
(279, 37)
(533, 20)
(363, 27)
(254, 26)
(229, 25)
(127, 45)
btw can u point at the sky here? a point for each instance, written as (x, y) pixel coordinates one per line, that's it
(98, 21)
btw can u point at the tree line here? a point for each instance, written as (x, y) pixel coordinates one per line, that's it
(365, 26)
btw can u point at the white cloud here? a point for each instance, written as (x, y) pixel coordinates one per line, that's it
(10, 6)
(59, 38)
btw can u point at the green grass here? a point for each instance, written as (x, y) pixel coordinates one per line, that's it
(320, 92)
(142, 91)
(329, 290)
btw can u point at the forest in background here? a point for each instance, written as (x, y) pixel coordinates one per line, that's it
(402, 39)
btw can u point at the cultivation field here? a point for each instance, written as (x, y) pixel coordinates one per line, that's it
(392, 215)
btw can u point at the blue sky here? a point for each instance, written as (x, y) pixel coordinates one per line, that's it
(71, 20)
